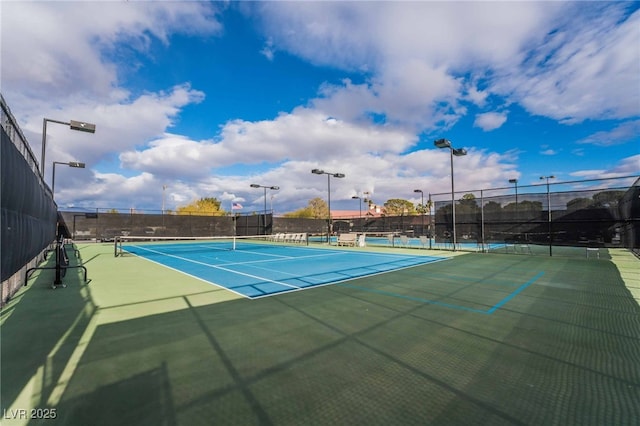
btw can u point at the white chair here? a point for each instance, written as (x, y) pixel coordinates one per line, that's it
(595, 250)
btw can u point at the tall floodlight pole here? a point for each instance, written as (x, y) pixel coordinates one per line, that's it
(73, 125)
(431, 229)
(355, 197)
(164, 188)
(335, 175)
(515, 183)
(421, 208)
(74, 164)
(549, 211)
(458, 152)
(265, 187)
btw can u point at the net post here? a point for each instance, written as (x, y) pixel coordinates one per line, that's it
(115, 246)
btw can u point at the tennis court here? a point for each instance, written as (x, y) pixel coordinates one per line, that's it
(256, 267)
(394, 240)
(481, 338)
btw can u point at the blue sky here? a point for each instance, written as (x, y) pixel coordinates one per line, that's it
(206, 98)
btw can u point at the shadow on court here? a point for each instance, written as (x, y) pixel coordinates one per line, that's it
(562, 351)
(41, 328)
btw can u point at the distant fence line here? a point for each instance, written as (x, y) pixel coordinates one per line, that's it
(606, 216)
(106, 226)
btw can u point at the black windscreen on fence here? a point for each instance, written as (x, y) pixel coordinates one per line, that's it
(28, 211)
(605, 217)
(105, 226)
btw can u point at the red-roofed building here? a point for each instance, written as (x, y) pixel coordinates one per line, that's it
(355, 214)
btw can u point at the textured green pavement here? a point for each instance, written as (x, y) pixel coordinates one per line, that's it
(478, 339)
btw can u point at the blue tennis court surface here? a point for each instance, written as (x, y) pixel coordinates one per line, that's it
(414, 242)
(262, 269)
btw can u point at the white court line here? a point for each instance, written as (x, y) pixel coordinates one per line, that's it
(249, 262)
(310, 278)
(348, 279)
(325, 253)
(218, 267)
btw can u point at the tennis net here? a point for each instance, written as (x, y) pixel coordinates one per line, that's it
(214, 243)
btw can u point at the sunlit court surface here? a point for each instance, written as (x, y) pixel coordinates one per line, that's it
(317, 334)
(256, 266)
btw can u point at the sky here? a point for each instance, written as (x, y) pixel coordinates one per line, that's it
(199, 99)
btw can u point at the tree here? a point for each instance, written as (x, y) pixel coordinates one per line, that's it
(319, 208)
(399, 207)
(468, 200)
(316, 209)
(203, 206)
(467, 205)
(579, 204)
(305, 212)
(492, 207)
(424, 208)
(609, 198)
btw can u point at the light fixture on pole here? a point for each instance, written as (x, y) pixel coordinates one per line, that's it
(73, 125)
(421, 208)
(265, 187)
(74, 164)
(549, 212)
(336, 175)
(458, 152)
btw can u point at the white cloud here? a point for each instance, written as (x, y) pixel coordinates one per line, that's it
(120, 125)
(422, 75)
(59, 50)
(477, 96)
(583, 63)
(583, 69)
(490, 120)
(268, 51)
(621, 134)
(305, 134)
(414, 65)
(626, 167)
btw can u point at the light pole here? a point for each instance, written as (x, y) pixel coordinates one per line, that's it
(355, 197)
(265, 187)
(515, 183)
(421, 208)
(431, 230)
(458, 152)
(74, 164)
(73, 125)
(549, 211)
(164, 188)
(335, 175)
